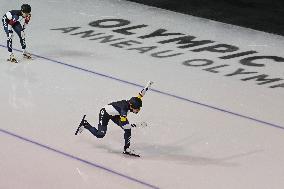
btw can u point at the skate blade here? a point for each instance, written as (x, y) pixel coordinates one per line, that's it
(80, 125)
(79, 130)
(129, 154)
(28, 57)
(13, 61)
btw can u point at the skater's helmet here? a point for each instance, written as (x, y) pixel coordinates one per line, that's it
(26, 8)
(135, 102)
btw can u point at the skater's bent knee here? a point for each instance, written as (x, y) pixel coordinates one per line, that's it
(101, 135)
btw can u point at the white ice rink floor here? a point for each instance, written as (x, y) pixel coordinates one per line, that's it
(215, 112)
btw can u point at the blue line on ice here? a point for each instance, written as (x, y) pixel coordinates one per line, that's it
(157, 91)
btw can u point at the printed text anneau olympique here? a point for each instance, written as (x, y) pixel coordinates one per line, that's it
(250, 65)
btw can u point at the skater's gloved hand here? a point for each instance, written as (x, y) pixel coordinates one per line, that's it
(149, 84)
(27, 19)
(146, 88)
(12, 21)
(140, 124)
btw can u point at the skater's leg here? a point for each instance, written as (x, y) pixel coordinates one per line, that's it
(19, 30)
(127, 132)
(102, 126)
(127, 150)
(9, 33)
(127, 137)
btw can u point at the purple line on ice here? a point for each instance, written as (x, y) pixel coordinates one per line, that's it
(79, 159)
(161, 92)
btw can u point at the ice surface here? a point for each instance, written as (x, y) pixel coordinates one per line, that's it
(206, 130)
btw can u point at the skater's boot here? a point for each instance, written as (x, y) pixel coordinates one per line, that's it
(82, 127)
(130, 152)
(27, 55)
(12, 58)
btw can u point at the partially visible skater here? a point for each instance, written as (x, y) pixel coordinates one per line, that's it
(17, 20)
(117, 112)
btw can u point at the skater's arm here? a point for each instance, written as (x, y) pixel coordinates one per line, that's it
(12, 18)
(123, 121)
(26, 22)
(12, 22)
(123, 117)
(145, 89)
(28, 18)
